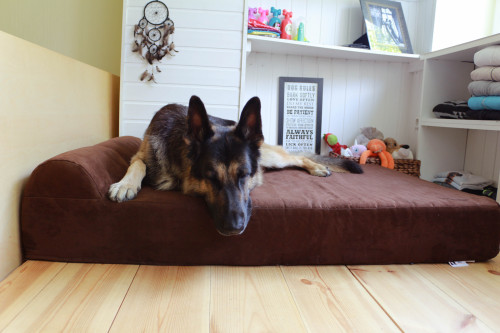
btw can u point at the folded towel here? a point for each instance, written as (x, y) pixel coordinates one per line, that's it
(484, 88)
(483, 114)
(484, 103)
(489, 56)
(462, 180)
(452, 110)
(263, 33)
(488, 73)
(253, 24)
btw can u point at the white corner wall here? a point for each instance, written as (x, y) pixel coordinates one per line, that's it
(208, 36)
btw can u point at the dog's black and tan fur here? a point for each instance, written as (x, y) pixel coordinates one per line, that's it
(186, 149)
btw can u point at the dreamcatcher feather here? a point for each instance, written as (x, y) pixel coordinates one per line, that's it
(153, 37)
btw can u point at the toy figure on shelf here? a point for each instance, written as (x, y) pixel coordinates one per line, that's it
(286, 25)
(251, 13)
(298, 31)
(377, 148)
(263, 15)
(332, 141)
(275, 22)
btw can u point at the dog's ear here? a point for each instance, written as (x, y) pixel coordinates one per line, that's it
(199, 128)
(250, 125)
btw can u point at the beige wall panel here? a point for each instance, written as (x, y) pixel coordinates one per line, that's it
(49, 104)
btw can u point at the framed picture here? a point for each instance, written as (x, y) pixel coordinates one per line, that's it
(386, 26)
(299, 120)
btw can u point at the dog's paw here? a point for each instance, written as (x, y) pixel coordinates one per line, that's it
(120, 192)
(321, 171)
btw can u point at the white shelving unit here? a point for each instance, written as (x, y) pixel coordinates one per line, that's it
(282, 46)
(442, 143)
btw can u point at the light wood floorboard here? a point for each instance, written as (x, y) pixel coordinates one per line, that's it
(80, 298)
(329, 299)
(166, 299)
(252, 299)
(62, 297)
(414, 302)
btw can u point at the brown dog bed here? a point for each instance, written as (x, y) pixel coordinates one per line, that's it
(379, 217)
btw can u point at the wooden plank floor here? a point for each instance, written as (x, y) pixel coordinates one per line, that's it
(66, 297)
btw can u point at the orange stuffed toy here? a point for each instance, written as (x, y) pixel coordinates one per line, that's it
(377, 147)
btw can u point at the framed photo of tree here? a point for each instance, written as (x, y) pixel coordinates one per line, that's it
(386, 26)
(299, 118)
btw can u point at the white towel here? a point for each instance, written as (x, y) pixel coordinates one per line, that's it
(489, 56)
(486, 73)
(484, 88)
(462, 180)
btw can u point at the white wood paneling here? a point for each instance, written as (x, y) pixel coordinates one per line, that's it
(218, 19)
(209, 37)
(355, 93)
(224, 5)
(482, 154)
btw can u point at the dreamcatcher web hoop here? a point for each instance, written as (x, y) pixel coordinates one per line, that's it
(154, 36)
(156, 12)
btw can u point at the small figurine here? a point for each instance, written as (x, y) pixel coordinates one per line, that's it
(300, 33)
(263, 15)
(286, 25)
(275, 20)
(332, 141)
(251, 13)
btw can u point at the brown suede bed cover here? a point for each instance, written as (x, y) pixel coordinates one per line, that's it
(379, 217)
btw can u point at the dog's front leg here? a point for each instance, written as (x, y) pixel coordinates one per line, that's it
(127, 188)
(276, 157)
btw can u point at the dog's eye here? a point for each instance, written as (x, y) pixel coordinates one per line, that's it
(210, 174)
(243, 174)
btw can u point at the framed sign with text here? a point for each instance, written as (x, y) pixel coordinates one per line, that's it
(299, 117)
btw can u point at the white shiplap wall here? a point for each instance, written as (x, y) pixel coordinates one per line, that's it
(208, 37)
(355, 93)
(482, 155)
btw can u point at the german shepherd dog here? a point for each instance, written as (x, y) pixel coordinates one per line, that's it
(185, 148)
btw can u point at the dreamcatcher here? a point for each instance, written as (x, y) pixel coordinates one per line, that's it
(154, 37)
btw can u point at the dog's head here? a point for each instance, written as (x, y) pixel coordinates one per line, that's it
(225, 164)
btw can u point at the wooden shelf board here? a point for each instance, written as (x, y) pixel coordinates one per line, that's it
(488, 125)
(463, 52)
(281, 46)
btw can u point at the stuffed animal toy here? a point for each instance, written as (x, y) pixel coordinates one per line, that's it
(357, 150)
(391, 145)
(402, 154)
(346, 152)
(333, 142)
(377, 147)
(367, 134)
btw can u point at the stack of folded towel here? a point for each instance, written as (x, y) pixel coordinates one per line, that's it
(260, 29)
(462, 180)
(485, 87)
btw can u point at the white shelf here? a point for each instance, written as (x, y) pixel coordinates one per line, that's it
(282, 46)
(487, 125)
(463, 52)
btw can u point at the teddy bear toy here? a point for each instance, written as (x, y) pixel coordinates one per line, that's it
(367, 134)
(377, 147)
(333, 142)
(391, 145)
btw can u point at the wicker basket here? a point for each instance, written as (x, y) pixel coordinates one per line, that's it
(410, 167)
